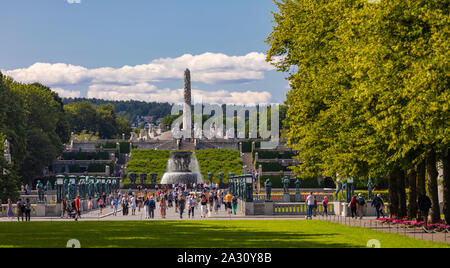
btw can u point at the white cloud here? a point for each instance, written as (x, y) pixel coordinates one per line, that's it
(74, 1)
(210, 68)
(67, 93)
(149, 93)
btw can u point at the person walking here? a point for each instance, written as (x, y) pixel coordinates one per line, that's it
(378, 204)
(77, 207)
(125, 206)
(316, 205)
(146, 205)
(90, 206)
(115, 203)
(325, 206)
(10, 212)
(101, 205)
(424, 204)
(216, 203)
(133, 205)
(151, 208)
(310, 205)
(228, 202)
(361, 206)
(163, 207)
(192, 204)
(204, 206)
(211, 202)
(20, 210)
(28, 210)
(353, 207)
(234, 202)
(64, 208)
(182, 204)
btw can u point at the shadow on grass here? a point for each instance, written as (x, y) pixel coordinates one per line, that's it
(166, 235)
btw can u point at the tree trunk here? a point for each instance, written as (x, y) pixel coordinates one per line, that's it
(401, 179)
(393, 193)
(446, 180)
(421, 179)
(412, 208)
(433, 186)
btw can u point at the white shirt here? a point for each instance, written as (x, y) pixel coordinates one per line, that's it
(310, 200)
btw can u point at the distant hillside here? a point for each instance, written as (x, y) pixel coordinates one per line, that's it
(129, 110)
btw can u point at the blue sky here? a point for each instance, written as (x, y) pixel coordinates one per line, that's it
(138, 49)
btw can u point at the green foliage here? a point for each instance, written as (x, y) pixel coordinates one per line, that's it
(86, 156)
(213, 160)
(219, 161)
(99, 168)
(124, 147)
(43, 131)
(369, 82)
(9, 181)
(148, 161)
(84, 116)
(130, 110)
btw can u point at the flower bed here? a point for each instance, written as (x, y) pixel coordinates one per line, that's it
(437, 227)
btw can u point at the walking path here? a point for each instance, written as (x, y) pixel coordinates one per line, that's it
(372, 223)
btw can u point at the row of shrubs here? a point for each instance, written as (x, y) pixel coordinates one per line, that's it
(274, 155)
(219, 161)
(277, 182)
(213, 160)
(272, 167)
(92, 168)
(85, 156)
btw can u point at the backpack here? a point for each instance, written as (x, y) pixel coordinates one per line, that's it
(362, 202)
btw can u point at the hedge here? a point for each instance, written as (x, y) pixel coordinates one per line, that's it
(124, 147)
(272, 167)
(85, 156)
(277, 183)
(212, 160)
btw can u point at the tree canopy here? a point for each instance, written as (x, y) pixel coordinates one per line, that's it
(369, 86)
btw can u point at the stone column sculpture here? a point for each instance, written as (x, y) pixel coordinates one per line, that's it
(187, 108)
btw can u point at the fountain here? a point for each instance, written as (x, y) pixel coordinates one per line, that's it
(182, 168)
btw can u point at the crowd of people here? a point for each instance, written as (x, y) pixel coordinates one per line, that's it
(209, 199)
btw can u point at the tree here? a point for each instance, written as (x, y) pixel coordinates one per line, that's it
(9, 182)
(369, 87)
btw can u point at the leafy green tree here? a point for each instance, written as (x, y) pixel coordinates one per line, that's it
(369, 88)
(9, 181)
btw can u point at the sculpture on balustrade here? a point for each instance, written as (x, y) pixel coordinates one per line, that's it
(286, 182)
(143, 178)
(298, 184)
(66, 188)
(91, 188)
(370, 187)
(339, 189)
(153, 178)
(133, 178)
(221, 177)
(40, 189)
(210, 177)
(72, 190)
(268, 185)
(49, 186)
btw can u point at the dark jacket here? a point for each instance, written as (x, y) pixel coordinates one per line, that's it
(424, 203)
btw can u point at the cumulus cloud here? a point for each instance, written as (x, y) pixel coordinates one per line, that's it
(148, 92)
(210, 68)
(67, 93)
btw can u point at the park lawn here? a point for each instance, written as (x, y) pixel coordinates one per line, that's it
(200, 234)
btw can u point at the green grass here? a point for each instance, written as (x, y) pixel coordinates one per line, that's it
(200, 234)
